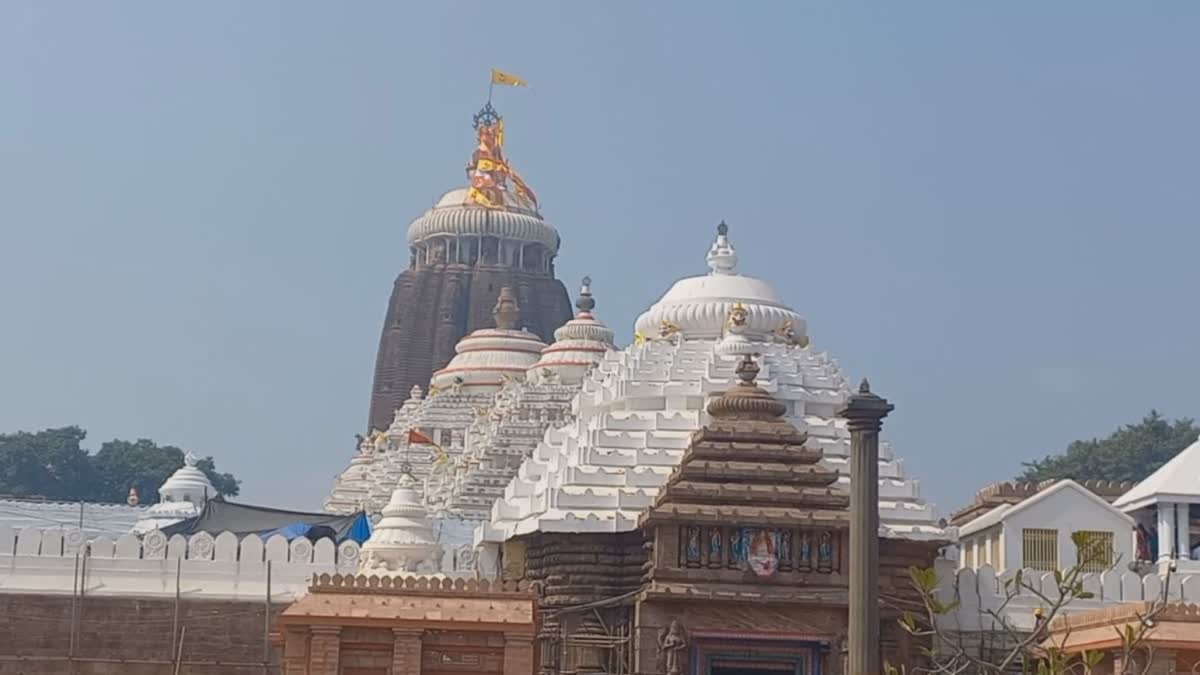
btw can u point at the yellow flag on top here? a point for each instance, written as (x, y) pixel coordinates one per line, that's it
(501, 77)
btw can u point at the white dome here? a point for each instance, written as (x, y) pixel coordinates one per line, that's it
(455, 215)
(578, 344)
(487, 357)
(403, 540)
(188, 484)
(699, 307)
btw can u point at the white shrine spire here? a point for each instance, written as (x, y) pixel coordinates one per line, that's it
(722, 259)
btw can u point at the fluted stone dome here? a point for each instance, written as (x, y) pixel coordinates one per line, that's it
(403, 541)
(699, 307)
(456, 215)
(181, 496)
(487, 357)
(578, 344)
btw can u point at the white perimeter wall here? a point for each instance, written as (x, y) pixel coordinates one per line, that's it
(39, 561)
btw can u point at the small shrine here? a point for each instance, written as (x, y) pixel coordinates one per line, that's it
(403, 540)
(359, 625)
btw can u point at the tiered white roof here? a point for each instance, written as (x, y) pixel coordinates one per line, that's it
(487, 358)
(505, 432)
(485, 362)
(578, 344)
(180, 497)
(403, 540)
(635, 413)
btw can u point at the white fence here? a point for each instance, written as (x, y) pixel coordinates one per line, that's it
(33, 560)
(980, 592)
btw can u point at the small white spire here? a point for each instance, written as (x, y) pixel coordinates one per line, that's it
(722, 259)
(190, 459)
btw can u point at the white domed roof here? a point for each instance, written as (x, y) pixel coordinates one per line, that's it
(699, 307)
(487, 357)
(578, 344)
(455, 215)
(403, 539)
(188, 484)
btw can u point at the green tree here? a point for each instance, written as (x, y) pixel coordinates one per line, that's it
(48, 463)
(1132, 452)
(52, 464)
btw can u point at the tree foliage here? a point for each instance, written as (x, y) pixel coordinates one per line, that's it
(1132, 452)
(53, 464)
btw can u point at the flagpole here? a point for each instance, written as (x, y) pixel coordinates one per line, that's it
(491, 86)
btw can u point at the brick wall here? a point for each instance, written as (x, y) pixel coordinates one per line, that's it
(130, 636)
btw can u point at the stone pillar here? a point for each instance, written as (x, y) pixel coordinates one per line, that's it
(1166, 530)
(518, 654)
(324, 650)
(1183, 536)
(864, 413)
(406, 651)
(295, 651)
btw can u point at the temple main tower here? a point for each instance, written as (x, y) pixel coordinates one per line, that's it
(473, 242)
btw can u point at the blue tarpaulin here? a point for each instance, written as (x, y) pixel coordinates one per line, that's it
(241, 519)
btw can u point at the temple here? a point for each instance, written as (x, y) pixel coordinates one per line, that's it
(475, 240)
(464, 439)
(634, 415)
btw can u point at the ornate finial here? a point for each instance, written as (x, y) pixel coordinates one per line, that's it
(747, 400)
(864, 387)
(487, 116)
(190, 459)
(585, 303)
(747, 370)
(722, 259)
(494, 184)
(506, 311)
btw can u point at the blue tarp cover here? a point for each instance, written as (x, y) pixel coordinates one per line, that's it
(241, 519)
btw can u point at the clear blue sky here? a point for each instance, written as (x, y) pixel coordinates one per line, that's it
(990, 209)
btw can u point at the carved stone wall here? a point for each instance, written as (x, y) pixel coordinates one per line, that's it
(432, 308)
(573, 569)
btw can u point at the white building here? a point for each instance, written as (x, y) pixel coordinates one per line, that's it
(635, 413)
(485, 410)
(1036, 533)
(1164, 504)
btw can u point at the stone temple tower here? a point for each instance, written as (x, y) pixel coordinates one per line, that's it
(473, 242)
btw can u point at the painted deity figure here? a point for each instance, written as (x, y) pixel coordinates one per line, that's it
(785, 546)
(825, 550)
(693, 544)
(714, 546)
(762, 553)
(805, 550)
(737, 548)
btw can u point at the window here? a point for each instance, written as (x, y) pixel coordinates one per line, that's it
(1039, 549)
(1094, 550)
(994, 556)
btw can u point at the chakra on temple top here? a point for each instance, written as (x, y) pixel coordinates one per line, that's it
(490, 174)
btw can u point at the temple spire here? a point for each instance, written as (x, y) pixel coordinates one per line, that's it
(722, 259)
(585, 303)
